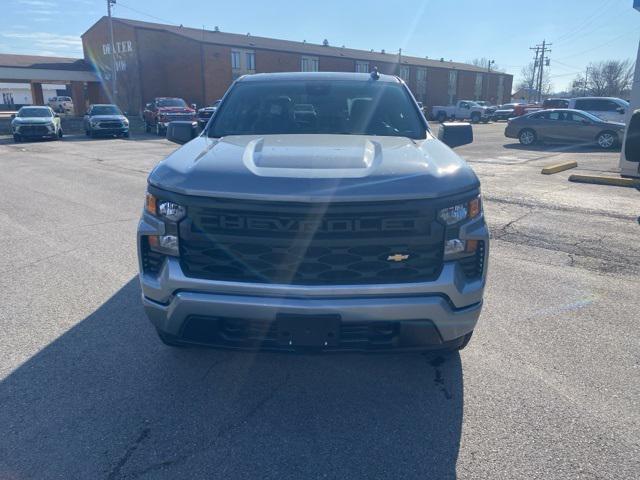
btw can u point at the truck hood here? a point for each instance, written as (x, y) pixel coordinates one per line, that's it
(310, 168)
(175, 110)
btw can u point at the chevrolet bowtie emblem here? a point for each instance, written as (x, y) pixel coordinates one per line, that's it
(397, 257)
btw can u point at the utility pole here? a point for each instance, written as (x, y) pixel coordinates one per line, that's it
(543, 49)
(114, 74)
(489, 63)
(534, 78)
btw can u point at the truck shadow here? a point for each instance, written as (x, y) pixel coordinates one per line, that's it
(107, 400)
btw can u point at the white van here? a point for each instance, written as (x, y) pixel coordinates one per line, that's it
(62, 104)
(610, 109)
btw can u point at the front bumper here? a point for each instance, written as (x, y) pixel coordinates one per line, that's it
(35, 130)
(412, 315)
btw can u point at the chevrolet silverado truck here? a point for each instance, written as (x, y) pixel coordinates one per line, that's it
(463, 110)
(162, 110)
(349, 228)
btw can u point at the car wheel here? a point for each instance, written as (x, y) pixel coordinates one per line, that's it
(607, 140)
(60, 133)
(527, 137)
(17, 138)
(475, 118)
(442, 117)
(169, 340)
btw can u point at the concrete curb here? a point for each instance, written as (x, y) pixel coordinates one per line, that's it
(601, 180)
(558, 167)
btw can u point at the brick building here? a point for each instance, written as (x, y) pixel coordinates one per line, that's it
(155, 60)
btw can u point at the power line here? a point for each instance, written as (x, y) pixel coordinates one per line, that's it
(635, 31)
(584, 22)
(164, 20)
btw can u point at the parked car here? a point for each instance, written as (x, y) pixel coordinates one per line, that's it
(511, 110)
(462, 110)
(105, 119)
(204, 114)
(269, 229)
(607, 108)
(61, 104)
(564, 126)
(163, 110)
(555, 103)
(35, 122)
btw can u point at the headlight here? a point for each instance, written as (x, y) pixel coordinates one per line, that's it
(462, 211)
(165, 209)
(172, 213)
(125, 122)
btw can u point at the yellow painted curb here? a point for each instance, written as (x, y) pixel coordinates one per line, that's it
(558, 167)
(600, 180)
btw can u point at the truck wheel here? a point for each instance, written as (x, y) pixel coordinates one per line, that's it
(147, 127)
(475, 117)
(442, 117)
(607, 140)
(159, 130)
(527, 137)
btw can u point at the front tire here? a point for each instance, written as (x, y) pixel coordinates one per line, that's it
(442, 117)
(147, 127)
(607, 140)
(527, 137)
(475, 118)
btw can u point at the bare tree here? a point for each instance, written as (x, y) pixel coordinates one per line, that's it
(529, 80)
(484, 63)
(610, 78)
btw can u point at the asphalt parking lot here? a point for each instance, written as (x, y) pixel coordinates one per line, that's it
(548, 388)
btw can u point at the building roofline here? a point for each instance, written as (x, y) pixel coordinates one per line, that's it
(303, 48)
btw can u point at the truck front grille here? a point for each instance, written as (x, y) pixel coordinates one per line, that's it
(111, 124)
(302, 244)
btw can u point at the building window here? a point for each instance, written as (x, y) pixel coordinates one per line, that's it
(251, 60)
(500, 89)
(421, 84)
(362, 67)
(452, 87)
(235, 60)
(477, 91)
(404, 73)
(309, 64)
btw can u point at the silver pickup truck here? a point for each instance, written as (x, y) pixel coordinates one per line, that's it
(316, 211)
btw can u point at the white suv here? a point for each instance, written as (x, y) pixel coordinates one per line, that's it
(610, 109)
(61, 104)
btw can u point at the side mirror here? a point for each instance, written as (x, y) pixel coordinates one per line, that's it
(620, 110)
(181, 132)
(57, 115)
(148, 106)
(632, 143)
(194, 106)
(13, 115)
(455, 134)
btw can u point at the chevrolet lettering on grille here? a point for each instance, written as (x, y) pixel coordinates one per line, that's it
(283, 224)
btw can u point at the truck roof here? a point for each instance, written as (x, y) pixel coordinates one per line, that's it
(327, 76)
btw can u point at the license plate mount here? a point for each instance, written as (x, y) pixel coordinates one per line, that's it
(312, 331)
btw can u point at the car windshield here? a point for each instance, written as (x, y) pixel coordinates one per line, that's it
(34, 112)
(318, 107)
(171, 102)
(105, 110)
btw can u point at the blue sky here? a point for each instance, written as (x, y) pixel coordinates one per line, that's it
(581, 31)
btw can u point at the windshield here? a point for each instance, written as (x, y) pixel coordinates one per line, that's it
(316, 107)
(105, 110)
(34, 112)
(171, 102)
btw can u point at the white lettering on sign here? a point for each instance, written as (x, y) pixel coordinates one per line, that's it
(125, 46)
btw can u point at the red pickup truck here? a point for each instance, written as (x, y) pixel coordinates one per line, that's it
(163, 110)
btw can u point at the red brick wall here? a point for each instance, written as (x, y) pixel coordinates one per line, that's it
(437, 87)
(170, 66)
(217, 71)
(268, 61)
